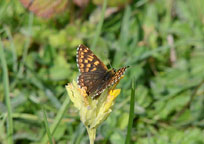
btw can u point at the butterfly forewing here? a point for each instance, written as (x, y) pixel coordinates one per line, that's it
(88, 62)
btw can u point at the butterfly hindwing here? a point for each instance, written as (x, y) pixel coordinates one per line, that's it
(117, 76)
(112, 80)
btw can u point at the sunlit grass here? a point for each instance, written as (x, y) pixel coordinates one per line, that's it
(99, 26)
(7, 95)
(47, 127)
(57, 120)
(131, 113)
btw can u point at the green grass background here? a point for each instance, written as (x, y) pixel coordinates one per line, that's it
(161, 40)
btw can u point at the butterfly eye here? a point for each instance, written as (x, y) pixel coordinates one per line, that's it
(114, 70)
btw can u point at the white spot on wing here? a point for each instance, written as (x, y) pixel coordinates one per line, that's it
(78, 82)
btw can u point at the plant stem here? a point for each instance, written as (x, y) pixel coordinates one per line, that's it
(92, 134)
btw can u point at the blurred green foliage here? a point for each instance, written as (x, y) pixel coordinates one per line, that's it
(161, 40)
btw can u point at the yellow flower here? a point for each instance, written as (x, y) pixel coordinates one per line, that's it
(92, 111)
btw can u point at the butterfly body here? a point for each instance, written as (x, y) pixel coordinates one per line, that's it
(94, 75)
(108, 75)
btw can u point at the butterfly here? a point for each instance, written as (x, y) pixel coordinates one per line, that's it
(94, 75)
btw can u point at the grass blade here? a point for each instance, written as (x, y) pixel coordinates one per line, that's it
(12, 45)
(26, 46)
(6, 88)
(78, 134)
(57, 120)
(47, 127)
(99, 26)
(124, 37)
(131, 113)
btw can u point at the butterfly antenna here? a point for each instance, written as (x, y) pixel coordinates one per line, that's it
(110, 64)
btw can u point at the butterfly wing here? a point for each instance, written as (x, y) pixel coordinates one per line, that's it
(91, 68)
(88, 62)
(112, 80)
(90, 82)
(116, 77)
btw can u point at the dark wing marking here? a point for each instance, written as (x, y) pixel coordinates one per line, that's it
(90, 81)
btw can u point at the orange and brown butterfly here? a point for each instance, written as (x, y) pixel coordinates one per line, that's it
(94, 75)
